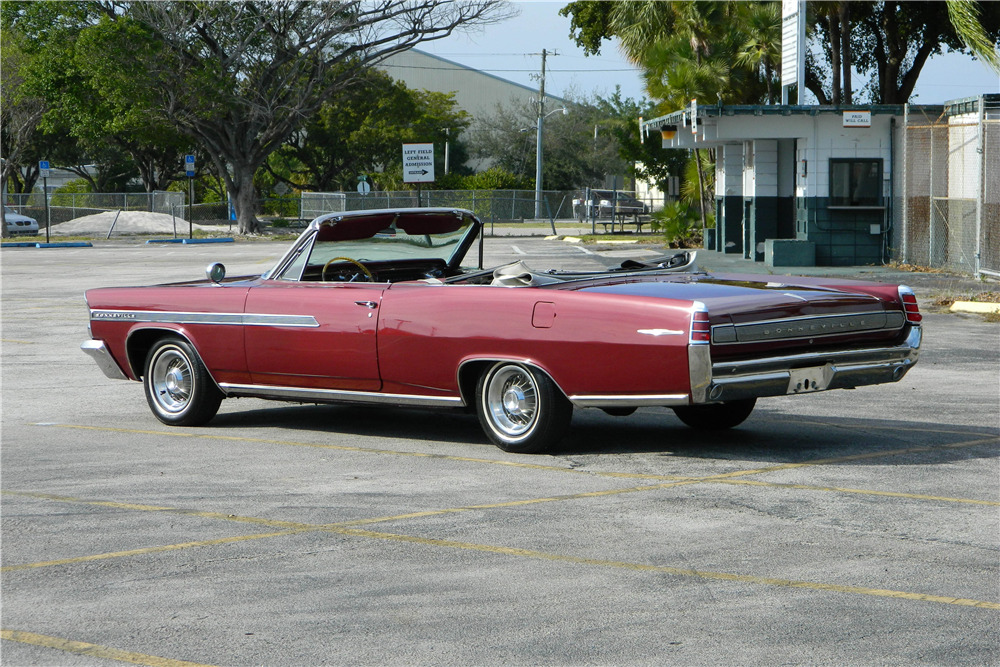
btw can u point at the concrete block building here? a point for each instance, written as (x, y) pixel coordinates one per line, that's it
(815, 174)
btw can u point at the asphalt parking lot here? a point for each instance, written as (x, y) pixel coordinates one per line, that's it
(849, 527)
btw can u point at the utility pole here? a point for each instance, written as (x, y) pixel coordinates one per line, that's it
(538, 144)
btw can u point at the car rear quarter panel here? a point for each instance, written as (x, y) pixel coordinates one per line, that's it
(587, 343)
(221, 346)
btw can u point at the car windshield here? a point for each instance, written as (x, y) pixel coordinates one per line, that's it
(434, 236)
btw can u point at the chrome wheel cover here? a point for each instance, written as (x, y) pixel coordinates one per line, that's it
(171, 381)
(511, 401)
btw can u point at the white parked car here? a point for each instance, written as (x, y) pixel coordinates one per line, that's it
(19, 225)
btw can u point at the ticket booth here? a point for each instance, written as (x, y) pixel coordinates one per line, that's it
(819, 175)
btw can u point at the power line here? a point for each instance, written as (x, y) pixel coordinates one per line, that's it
(627, 69)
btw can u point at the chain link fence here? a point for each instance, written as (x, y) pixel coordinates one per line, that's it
(489, 205)
(949, 196)
(65, 206)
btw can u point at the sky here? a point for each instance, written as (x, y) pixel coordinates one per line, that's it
(512, 50)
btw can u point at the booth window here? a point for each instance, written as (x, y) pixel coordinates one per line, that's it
(855, 182)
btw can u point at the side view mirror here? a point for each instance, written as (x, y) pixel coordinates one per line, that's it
(216, 272)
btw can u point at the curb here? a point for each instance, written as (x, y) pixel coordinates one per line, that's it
(35, 244)
(220, 240)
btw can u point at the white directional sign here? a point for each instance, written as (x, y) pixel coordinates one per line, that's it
(418, 163)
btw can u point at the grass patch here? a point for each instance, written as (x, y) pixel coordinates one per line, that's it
(597, 239)
(914, 268)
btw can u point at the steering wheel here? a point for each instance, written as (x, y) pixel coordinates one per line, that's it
(364, 269)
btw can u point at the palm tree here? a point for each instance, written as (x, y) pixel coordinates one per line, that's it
(762, 49)
(964, 17)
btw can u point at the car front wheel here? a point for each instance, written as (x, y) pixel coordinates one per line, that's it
(521, 409)
(716, 416)
(178, 388)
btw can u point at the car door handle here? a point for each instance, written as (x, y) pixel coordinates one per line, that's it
(371, 305)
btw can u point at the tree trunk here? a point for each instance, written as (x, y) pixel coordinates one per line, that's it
(244, 198)
(845, 51)
(835, 43)
(701, 189)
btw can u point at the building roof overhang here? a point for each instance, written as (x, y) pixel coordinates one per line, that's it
(772, 121)
(712, 126)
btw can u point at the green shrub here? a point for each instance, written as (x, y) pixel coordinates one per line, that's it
(679, 223)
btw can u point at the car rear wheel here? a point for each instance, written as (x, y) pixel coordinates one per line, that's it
(178, 388)
(716, 416)
(521, 409)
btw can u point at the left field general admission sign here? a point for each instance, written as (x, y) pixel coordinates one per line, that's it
(418, 163)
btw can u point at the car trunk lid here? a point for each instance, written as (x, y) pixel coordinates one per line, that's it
(750, 316)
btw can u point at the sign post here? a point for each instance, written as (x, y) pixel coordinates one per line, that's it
(418, 165)
(793, 48)
(189, 170)
(43, 171)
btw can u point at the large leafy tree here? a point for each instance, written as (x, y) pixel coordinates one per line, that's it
(578, 147)
(19, 113)
(92, 126)
(361, 130)
(688, 49)
(643, 158)
(704, 50)
(240, 78)
(888, 43)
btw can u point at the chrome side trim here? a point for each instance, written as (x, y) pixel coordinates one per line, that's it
(337, 395)
(237, 319)
(625, 400)
(98, 351)
(661, 332)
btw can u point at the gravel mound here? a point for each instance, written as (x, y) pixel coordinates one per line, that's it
(129, 222)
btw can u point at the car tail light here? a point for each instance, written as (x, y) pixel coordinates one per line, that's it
(701, 330)
(910, 307)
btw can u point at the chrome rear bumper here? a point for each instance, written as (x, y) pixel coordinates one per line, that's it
(799, 373)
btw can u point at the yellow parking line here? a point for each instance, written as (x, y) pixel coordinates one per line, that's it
(93, 650)
(345, 528)
(274, 523)
(857, 457)
(148, 550)
(295, 527)
(664, 569)
(906, 429)
(863, 492)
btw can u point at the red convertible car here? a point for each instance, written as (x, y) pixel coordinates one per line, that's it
(376, 307)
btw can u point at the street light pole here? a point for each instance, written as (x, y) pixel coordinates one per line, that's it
(538, 142)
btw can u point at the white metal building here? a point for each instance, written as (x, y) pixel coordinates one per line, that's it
(476, 92)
